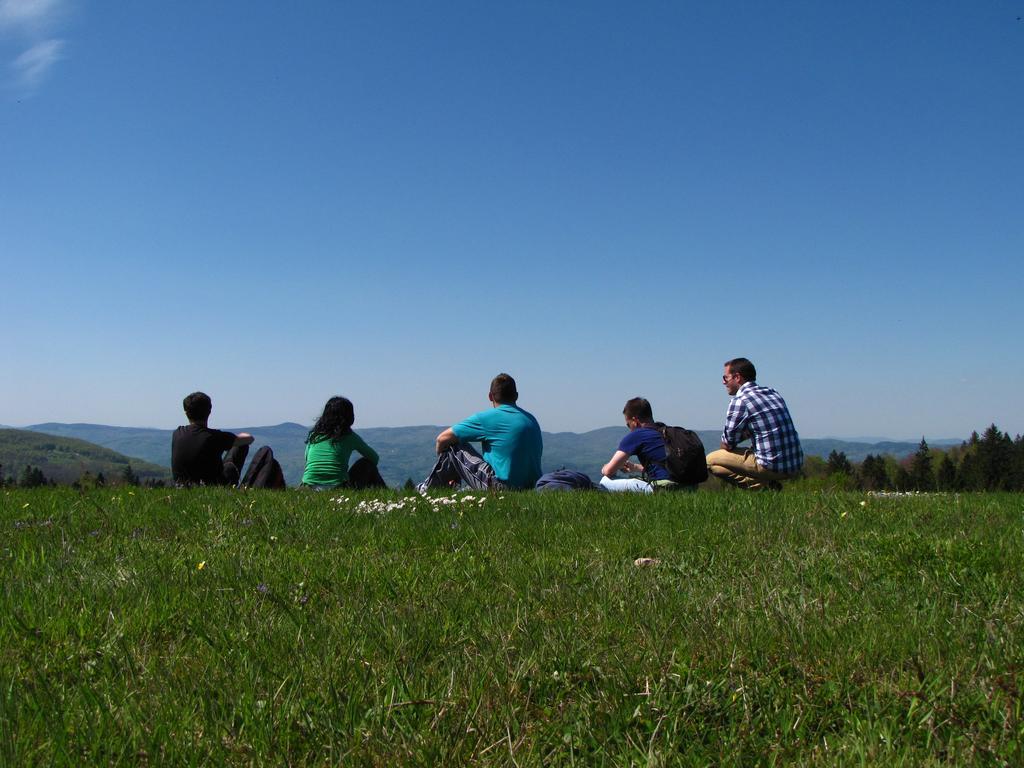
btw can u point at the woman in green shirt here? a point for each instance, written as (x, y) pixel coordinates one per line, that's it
(329, 446)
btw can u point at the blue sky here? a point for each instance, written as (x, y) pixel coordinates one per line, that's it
(396, 200)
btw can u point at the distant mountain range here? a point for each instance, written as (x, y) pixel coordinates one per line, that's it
(408, 452)
(65, 459)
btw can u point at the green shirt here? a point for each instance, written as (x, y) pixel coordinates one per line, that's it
(327, 460)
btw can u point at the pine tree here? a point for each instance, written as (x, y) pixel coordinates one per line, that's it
(945, 476)
(994, 454)
(1016, 474)
(921, 476)
(128, 477)
(838, 464)
(873, 476)
(32, 477)
(901, 479)
(968, 478)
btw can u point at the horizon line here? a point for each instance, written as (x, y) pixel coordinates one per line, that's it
(866, 440)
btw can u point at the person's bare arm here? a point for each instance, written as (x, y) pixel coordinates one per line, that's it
(446, 438)
(243, 438)
(619, 460)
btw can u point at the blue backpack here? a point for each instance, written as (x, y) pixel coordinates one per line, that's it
(565, 480)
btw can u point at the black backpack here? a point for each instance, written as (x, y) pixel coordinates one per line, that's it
(264, 471)
(685, 459)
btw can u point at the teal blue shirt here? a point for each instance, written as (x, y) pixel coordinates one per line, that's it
(511, 442)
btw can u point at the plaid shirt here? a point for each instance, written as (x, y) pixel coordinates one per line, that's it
(760, 413)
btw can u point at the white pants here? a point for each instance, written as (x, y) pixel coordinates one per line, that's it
(633, 484)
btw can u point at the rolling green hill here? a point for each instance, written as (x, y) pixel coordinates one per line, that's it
(65, 459)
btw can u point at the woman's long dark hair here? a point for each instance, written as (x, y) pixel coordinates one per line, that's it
(334, 422)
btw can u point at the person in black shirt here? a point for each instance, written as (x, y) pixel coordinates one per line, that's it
(198, 452)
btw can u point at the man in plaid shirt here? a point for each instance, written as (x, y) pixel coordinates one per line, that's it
(759, 414)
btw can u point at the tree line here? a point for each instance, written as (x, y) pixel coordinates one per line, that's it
(34, 477)
(992, 461)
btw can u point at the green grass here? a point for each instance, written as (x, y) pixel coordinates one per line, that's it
(776, 629)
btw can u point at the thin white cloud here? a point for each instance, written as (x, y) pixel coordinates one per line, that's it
(29, 15)
(31, 66)
(32, 22)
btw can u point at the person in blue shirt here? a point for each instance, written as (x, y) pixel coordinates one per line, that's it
(758, 414)
(646, 443)
(510, 440)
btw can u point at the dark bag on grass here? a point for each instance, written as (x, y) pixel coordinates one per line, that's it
(460, 464)
(564, 480)
(685, 460)
(364, 474)
(264, 471)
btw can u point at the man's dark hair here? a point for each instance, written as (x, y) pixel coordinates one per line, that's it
(335, 422)
(638, 408)
(197, 406)
(743, 367)
(503, 389)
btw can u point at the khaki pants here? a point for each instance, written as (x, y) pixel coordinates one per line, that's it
(740, 468)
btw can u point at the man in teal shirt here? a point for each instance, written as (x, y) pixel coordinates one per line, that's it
(510, 437)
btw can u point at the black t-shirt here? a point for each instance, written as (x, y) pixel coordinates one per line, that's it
(197, 454)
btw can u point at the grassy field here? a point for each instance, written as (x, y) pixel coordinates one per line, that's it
(260, 628)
